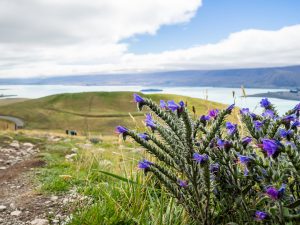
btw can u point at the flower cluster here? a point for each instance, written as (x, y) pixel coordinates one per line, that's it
(220, 171)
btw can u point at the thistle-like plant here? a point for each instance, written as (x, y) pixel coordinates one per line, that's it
(218, 176)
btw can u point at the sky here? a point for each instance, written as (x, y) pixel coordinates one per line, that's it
(75, 37)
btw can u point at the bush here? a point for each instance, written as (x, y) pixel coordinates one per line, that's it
(217, 175)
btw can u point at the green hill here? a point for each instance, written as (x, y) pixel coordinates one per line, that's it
(94, 111)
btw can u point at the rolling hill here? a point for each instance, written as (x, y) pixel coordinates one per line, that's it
(93, 111)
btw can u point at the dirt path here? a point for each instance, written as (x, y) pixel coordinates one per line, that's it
(20, 202)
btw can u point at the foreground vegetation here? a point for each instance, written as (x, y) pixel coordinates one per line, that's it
(216, 174)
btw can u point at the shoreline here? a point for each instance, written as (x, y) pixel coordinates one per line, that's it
(286, 95)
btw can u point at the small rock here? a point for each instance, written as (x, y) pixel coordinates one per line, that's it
(39, 222)
(29, 145)
(54, 198)
(15, 213)
(2, 168)
(2, 208)
(71, 156)
(74, 150)
(12, 205)
(15, 144)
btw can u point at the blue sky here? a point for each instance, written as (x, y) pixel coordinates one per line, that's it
(215, 20)
(70, 37)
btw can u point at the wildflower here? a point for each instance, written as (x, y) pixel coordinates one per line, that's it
(271, 147)
(182, 183)
(231, 128)
(144, 164)
(138, 98)
(260, 216)
(224, 144)
(289, 118)
(244, 160)
(121, 130)
(275, 194)
(265, 103)
(246, 141)
(163, 104)
(144, 136)
(200, 158)
(149, 121)
(181, 103)
(295, 124)
(297, 107)
(214, 168)
(213, 113)
(230, 108)
(258, 124)
(285, 133)
(253, 116)
(204, 119)
(172, 105)
(268, 113)
(244, 111)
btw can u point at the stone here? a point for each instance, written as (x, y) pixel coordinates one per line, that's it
(54, 198)
(16, 213)
(2, 208)
(2, 168)
(71, 156)
(39, 222)
(15, 144)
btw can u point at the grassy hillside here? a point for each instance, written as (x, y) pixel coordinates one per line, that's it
(94, 111)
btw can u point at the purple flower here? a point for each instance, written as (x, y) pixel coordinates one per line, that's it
(285, 133)
(258, 124)
(144, 164)
(230, 108)
(297, 107)
(163, 104)
(138, 98)
(200, 158)
(272, 193)
(214, 168)
(181, 103)
(224, 144)
(271, 147)
(173, 106)
(149, 121)
(213, 113)
(182, 183)
(245, 111)
(265, 103)
(231, 128)
(268, 113)
(246, 141)
(260, 216)
(275, 194)
(144, 136)
(289, 118)
(204, 118)
(253, 115)
(295, 124)
(121, 130)
(245, 160)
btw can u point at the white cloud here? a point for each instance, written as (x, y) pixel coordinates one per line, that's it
(53, 37)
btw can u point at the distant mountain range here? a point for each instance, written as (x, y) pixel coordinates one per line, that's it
(277, 77)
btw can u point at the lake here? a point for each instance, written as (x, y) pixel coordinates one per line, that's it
(223, 95)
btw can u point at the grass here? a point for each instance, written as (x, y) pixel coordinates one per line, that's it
(89, 112)
(106, 173)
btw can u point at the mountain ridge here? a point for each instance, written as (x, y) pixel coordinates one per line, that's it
(274, 77)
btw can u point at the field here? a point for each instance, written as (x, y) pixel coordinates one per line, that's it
(89, 112)
(104, 172)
